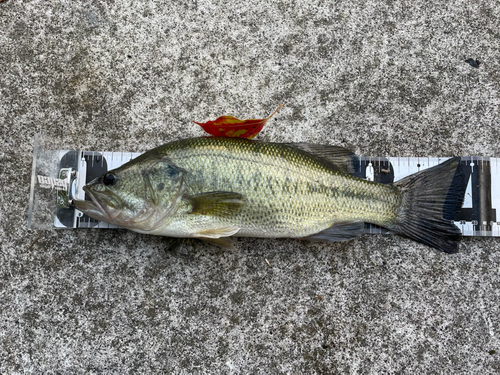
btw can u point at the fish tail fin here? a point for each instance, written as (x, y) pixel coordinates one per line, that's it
(430, 200)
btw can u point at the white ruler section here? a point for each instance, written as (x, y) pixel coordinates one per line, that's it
(488, 170)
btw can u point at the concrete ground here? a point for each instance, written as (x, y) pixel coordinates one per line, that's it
(385, 78)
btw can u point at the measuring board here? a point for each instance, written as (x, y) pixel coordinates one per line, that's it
(65, 173)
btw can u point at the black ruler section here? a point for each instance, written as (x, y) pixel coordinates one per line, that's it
(66, 216)
(87, 222)
(481, 215)
(383, 170)
(96, 167)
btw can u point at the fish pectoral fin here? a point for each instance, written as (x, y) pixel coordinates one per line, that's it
(215, 203)
(217, 233)
(224, 242)
(339, 232)
(340, 157)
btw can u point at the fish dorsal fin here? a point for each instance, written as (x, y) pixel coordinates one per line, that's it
(215, 203)
(340, 157)
(339, 232)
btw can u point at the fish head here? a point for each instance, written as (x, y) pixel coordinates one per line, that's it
(139, 195)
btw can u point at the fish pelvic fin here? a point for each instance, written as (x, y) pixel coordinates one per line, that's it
(430, 200)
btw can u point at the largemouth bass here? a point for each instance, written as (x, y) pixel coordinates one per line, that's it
(213, 188)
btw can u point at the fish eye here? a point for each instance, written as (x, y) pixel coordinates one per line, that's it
(108, 179)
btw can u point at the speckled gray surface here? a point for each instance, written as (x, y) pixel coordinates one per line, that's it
(386, 78)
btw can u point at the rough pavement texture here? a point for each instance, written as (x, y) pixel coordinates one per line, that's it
(385, 78)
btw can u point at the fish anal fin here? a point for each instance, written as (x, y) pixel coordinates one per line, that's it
(215, 203)
(339, 232)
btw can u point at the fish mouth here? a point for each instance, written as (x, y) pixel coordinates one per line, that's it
(104, 205)
(92, 208)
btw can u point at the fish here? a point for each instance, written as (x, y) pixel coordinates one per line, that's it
(213, 188)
